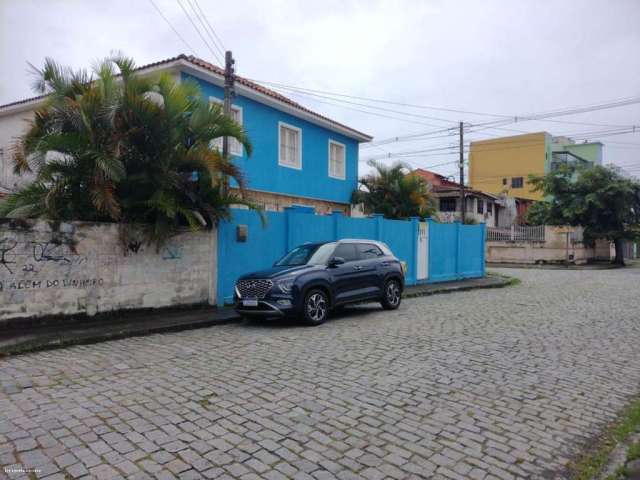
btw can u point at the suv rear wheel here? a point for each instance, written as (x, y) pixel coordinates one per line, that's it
(316, 307)
(392, 295)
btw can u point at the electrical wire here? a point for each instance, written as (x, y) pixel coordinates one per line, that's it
(373, 113)
(217, 42)
(508, 118)
(204, 40)
(415, 137)
(204, 25)
(414, 115)
(172, 27)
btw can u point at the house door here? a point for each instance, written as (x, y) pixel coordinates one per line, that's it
(422, 269)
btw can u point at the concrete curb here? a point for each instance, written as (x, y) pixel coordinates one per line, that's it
(84, 336)
(164, 322)
(499, 281)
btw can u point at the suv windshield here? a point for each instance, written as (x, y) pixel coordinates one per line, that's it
(307, 255)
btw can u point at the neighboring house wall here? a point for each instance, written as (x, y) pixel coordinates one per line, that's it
(12, 126)
(502, 166)
(527, 249)
(592, 152)
(324, 173)
(452, 213)
(496, 165)
(273, 202)
(263, 170)
(80, 268)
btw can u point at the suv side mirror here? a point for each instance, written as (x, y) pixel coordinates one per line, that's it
(335, 261)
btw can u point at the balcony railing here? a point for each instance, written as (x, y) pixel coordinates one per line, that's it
(516, 233)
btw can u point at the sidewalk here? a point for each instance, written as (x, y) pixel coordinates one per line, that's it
(561, 266)
(26, 336)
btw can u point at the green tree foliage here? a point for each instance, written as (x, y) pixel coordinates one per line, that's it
(394, 192)
(600, 199)
(116, 146)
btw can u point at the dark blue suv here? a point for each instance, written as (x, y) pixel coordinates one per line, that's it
(315, 278)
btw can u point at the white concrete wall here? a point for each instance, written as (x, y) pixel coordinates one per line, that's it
(12, 126)
(89, 273)
(552, 250)
(532, 253)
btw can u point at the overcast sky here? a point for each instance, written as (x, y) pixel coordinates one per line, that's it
(508, 57)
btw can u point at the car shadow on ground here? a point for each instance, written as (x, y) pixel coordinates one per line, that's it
(341, 314)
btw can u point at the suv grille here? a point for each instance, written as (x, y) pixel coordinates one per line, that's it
(254, 288)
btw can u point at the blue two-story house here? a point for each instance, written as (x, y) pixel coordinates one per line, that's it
(299, 156)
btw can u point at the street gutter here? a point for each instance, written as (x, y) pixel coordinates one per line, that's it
(57, 333)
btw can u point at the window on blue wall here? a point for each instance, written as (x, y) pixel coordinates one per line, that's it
(290, 146)
(235, 147)
(337, 154)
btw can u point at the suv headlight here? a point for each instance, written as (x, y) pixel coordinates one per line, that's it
(285, 285)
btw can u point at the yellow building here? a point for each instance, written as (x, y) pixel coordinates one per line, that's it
(503, 165)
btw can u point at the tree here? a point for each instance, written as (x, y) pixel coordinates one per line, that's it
(394, 192)
(117, 146)
(601, 200)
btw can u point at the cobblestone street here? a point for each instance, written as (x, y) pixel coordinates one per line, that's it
(503, 383)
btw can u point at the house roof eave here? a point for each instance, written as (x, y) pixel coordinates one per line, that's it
(200, 68)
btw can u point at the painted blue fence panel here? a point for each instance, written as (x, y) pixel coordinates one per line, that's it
(471, 254)
(348, 227)
(263, 247)
(456, 251)
(305, 227)
(286, 230)
(443, 248)
(402, 237)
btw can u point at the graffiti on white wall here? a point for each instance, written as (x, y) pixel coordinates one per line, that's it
(26, 264)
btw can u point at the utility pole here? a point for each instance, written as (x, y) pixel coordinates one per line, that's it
(229, 93)
(462, 202)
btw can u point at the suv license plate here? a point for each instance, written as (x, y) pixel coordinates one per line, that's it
(250, 302)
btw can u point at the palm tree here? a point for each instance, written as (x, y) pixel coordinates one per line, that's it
(394, 192)
(115, 146)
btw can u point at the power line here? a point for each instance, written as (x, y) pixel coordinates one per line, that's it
(213, 36)
(204, 40)
(506, 117)
(372, 113)
(487, 125)
(411, 152)
(173, 28)
(203, 24)
(493, 145)
(315, 95)
(414, 137)
(570, 111)
(389, 102)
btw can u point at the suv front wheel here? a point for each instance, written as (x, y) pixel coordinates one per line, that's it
(392, 295)
(316, 307)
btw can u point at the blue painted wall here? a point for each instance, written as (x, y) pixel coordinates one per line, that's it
(262, 169)
(456, 251)
(295, 226)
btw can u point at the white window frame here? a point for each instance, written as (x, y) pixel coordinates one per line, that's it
(235, 147)
(281, 162)
(344, 160)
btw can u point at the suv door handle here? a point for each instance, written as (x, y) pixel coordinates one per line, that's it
(357, 267)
